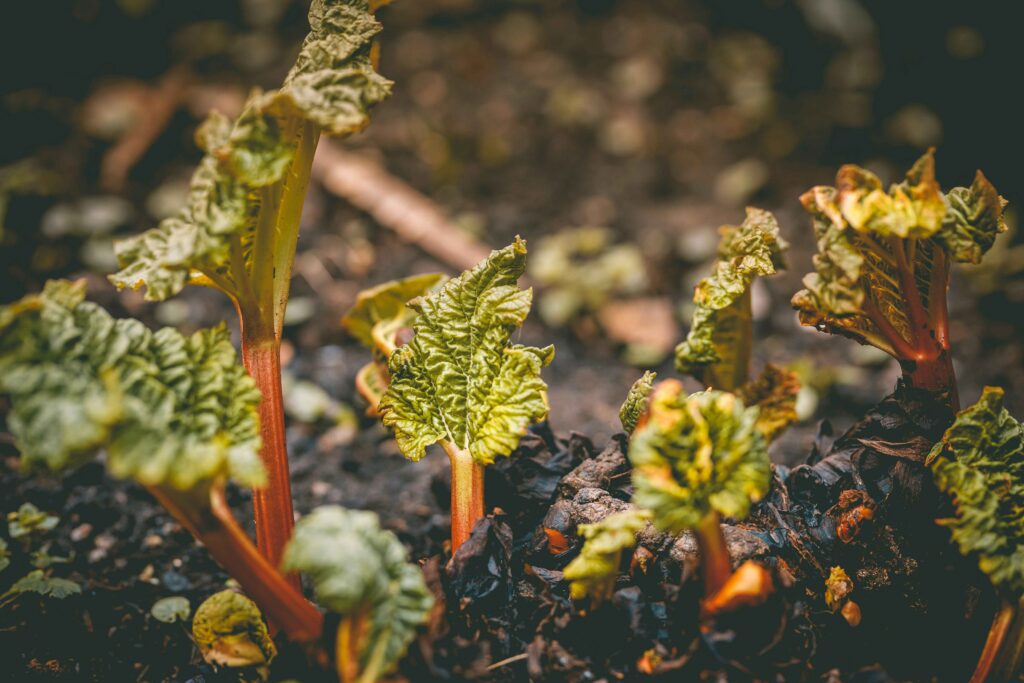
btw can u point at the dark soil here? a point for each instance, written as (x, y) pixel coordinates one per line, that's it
(526, 117)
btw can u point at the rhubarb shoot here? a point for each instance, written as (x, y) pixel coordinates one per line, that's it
(717, 349)
(980, 463)
(882, 270)
(461, 382)
(696, 459)
(176, 414)
(239, 230)
(375, 320)
(593, 571)
(635, 405)
(360, 572)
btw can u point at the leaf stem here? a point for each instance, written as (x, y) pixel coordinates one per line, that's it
(715, 563)
(467, 493)
(272, 504)
(212, 523)
(1003, 654)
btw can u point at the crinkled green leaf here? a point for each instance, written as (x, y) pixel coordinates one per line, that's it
(871, 243)
(980, 463)
(330, 88)
(29, 520)
(975, 218)
(696, 455)
(914, 208)
(773, 393)
(229, 631)
(717, 348)
(636, 401)
(593, 571)
(461, 379)
(169, 410)
(38, 581)
(355, 566)
(171, 609)
(383, 307)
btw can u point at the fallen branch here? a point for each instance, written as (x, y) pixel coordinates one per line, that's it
(396, 206)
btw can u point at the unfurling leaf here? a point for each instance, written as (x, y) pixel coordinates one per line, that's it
(974, 219)
(238, 185)
(717, 348)
(880, 274)
(379, 312)
(171, 609)
(838, 587)
(774, 394)
(29, 520)
(461, 379)
(357, 568)
(229, 631)
(173, 411)
(980, 463)
(593, 571)
(696, 455)
(39, 581)
(636, 401)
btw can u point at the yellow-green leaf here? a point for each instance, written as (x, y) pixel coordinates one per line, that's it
(169, 410)
(461, 379)
(384, 306)
(229, 631)
(696, 455)
(354, 566)
(980, 463)
(636, 401)
(717, 348)
(237, 188)
(593, 571)
(975, 218)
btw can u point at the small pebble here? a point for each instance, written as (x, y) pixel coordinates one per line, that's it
(174, 581)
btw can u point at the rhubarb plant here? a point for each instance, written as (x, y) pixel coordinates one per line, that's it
(376, 320)
(462, 383)
(360, 572)
(881, 273)
(635, 405)
(980, 463)
(177, 414)
(239, 229)
(718, 347)
(696, 459)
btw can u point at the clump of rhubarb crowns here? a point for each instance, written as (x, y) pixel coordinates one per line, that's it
(696, 459)
(461, 382)
(882, 269)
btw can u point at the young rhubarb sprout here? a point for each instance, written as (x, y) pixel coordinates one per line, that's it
(635, 405)
(176, 414)
(360, 572)
(593, 571)
(696, 459)
(774, 394)
(229, 631)
(461, 382)
(882, 268)
(239, 229)
(717, 350)
(376, 319)
(980, 463)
